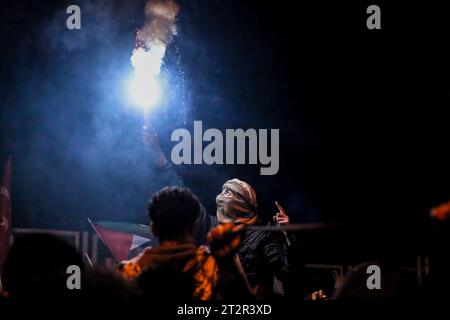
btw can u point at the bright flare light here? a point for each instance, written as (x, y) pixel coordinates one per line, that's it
(144, 92)
(144, 87)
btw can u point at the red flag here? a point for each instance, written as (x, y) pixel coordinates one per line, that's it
(5, 213)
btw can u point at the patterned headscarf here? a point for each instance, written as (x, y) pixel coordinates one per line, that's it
(239, 204)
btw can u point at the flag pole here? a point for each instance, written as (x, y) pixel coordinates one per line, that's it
(88, 260)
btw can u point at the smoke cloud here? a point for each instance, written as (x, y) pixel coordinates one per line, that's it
(160, 24)
(151, 44)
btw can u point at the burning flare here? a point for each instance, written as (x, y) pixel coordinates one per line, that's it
(151, 43)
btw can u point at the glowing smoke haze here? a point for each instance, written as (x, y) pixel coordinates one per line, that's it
(151, 43)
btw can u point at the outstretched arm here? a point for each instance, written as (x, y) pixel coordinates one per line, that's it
(205, 222)
(151, 141)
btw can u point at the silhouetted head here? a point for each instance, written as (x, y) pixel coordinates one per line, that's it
(37, 265)
(173, 211)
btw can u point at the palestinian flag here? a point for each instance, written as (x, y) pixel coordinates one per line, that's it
(121, 237)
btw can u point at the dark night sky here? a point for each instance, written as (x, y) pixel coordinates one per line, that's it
(363, 115)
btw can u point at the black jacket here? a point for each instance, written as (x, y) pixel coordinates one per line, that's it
(263, 255)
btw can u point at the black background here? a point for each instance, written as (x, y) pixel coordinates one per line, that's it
(363, 114)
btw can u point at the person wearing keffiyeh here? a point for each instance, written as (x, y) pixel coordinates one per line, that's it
(262, 254)
(237, 203)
